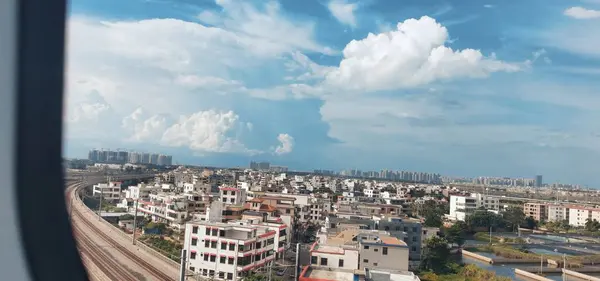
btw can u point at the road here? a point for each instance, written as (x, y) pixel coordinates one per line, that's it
(109, 254)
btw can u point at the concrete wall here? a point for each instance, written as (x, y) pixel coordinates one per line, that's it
(578, 276)
(476, 256)
(530, 276)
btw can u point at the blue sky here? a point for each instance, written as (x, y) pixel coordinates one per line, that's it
(463, 88)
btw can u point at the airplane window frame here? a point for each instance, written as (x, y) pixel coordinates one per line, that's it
(45, 231)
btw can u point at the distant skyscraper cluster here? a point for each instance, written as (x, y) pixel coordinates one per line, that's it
(396, 175)
(122, 157)
(266, 166)
(501, 181)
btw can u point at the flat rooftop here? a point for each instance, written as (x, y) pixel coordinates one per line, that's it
(325, 274)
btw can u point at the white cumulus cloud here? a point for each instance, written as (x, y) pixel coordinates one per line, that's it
(286, 144)
(143, 127)
(207, 131)
(343, 11)
(412, 55)
(582, 13)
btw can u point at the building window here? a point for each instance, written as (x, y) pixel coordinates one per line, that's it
(414, 238)
(365, 261)
(376, 250)
(194, 241)
(208, 231)
(195, 229)
(374, 264)
(193, 256)
(206, 243)
(213, 258)
(230, 261)
(414, 249)
(229, 276)
(205, 257)
(215, 232)
(213, 244)
(222, 259)
(222, 233)
(313, 260)
(323, 261)
(340, 263)
(384, 252)
(221, 275)
(231, 247)
(192, 268)
(366, 247)
(223, 245)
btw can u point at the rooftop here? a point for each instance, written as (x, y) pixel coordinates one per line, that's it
(326, 274)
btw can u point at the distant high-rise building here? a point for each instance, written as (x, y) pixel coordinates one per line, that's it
(135, 158)
(145, 158)
(154, 159)
(538, 181)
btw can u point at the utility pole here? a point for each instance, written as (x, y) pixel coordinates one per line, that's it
(182, 265)
(297, 268)
(564, 266)
(102, 198)
(541, 263)
(135, 220)
(270, 270)
(490, 235)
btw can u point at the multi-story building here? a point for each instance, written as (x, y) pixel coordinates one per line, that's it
(462, 206)
(579, 215)
(171, 209)
(557, 213)
(408, 230)
(360, 248)
(232, 195)
(109, 191)
(229, 251)
(537, 211)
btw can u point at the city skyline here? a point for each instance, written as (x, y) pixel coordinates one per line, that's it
(454, 88)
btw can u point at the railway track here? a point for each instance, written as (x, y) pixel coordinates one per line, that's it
(105, 262)
(101, 259)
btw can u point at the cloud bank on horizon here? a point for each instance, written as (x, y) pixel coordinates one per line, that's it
(453, 88)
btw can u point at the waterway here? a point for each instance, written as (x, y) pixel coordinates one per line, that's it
(507, 270)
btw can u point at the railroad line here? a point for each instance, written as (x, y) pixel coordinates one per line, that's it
(146, 266)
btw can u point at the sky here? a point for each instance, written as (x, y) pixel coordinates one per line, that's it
(462, 88)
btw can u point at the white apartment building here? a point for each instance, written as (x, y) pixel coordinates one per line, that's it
(232, 195)
(462, 206)
(167, 208)
(557, 212)
(141, 191)
(229, 251)
(109, 191)
(578, 215)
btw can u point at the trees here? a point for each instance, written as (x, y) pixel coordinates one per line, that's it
(435, 255)
(592, 225)
(514, 217)
(433, 220)
(456, 234)
(530, 223)
(484, 219)
(432, 211)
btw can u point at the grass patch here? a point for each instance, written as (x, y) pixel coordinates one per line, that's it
(166, 247)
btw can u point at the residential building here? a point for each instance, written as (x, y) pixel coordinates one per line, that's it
(462, 206)
(232, 195)
(358, 249)
(537, 211)
(557, 213)
(229, 251)
(109, 191)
